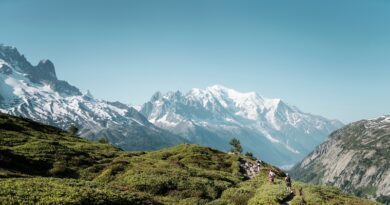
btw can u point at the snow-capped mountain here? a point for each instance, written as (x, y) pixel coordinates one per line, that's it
(35, 92)
(269, 128)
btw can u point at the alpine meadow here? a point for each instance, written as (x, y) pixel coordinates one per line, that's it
(194, 102)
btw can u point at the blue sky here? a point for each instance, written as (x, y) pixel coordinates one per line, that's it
(328, 57)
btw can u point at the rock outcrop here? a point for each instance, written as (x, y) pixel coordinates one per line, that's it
(250, 168)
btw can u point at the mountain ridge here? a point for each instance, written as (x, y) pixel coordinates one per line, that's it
(355, 158)
(35, 92)
(224, 113)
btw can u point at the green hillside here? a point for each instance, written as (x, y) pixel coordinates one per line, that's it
(40, 164)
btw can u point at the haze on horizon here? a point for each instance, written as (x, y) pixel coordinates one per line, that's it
(330, 58)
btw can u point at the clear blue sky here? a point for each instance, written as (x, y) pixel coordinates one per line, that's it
(329, 57)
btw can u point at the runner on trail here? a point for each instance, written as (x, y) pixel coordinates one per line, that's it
(288, 182)
(258, 162)
(271, 176)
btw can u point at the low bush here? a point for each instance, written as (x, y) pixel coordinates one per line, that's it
(65, 191)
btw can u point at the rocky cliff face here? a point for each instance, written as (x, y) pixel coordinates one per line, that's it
(11, 62)
(355, 158)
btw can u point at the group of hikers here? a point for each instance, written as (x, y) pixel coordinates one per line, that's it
(287, 179)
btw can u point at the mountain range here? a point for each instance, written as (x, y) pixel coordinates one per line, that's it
(269, 128)
(353, 158)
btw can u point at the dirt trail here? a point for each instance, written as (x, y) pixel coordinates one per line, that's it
(286, 201)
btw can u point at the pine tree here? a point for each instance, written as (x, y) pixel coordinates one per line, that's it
(103, 140)
(249, 154)
(236, 145)
(73, 130)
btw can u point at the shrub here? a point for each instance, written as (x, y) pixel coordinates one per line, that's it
(103, 140)
(64, 191)
(58, 169)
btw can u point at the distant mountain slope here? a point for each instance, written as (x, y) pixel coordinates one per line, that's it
(41, 164)
(270, 128)
(355, 158)
(35, 92)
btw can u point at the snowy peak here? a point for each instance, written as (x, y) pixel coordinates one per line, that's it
(15, 64)
(35, 92)
(213, 115)
(246, 104)
(11, 54)
(219, 100)
(222, 91)
(250, 105)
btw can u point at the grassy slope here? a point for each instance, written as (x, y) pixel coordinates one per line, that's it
(41, 164)
(259, 191)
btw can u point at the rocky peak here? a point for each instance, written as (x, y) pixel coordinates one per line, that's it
(156, 96)
(9, 53)
(88, 95)
(174, 95)
(42, 74)
(14, 59)
(45, 69)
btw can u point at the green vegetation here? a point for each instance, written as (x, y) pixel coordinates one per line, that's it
(103, 140)
(314, 194)
(236, 145)
(73, 130)
(260, 191)
(40, 164)
(65, 191)
(249, 154)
